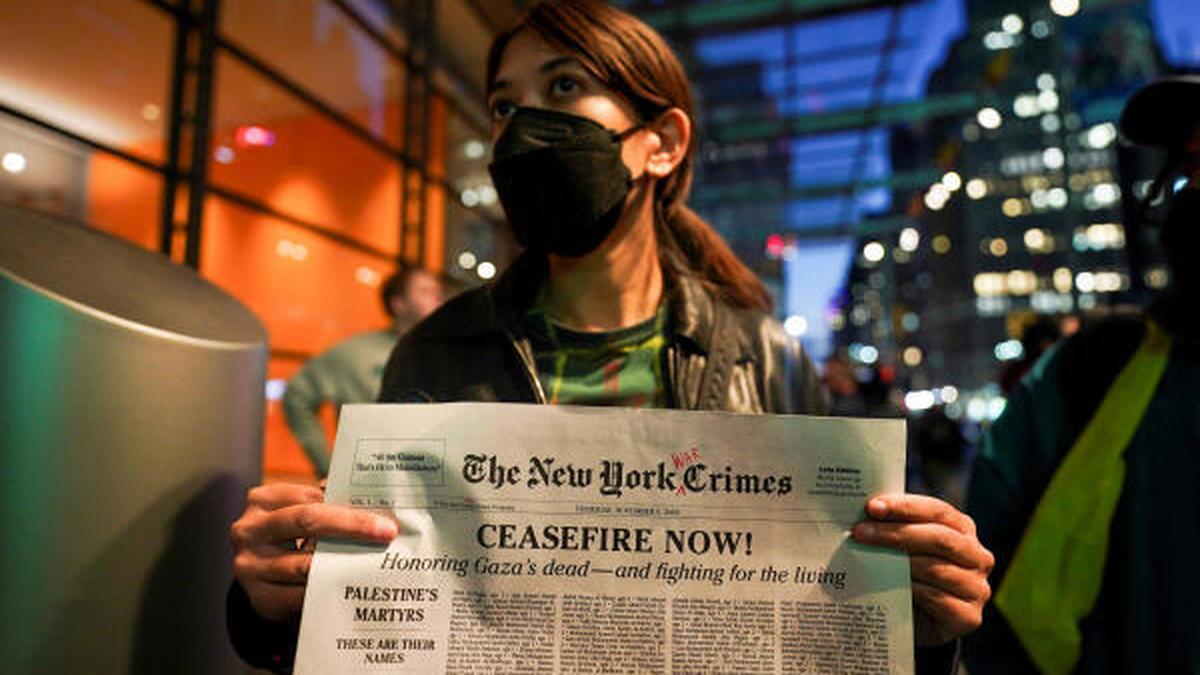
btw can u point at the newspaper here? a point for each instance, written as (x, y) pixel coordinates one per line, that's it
(558, 539)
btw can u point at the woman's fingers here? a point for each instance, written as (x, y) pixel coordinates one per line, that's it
(270, 563)
(965, 584)
(924, 525)
(949, 565)
(283, 526)
(278, 495)
(932, 539)
(289, 568)
(948, 615)
(919, 509)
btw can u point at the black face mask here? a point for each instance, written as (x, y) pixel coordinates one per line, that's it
(560, 179)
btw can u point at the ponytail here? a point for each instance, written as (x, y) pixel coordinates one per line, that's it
(686, 240)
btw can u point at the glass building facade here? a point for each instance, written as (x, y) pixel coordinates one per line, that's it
(292, 152)
(918, 181)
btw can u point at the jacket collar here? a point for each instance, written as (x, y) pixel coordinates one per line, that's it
(696, 317)
(692, 311)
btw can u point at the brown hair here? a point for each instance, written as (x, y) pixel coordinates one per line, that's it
(633, 60)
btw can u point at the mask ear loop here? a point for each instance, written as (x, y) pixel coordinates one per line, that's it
(621, 136)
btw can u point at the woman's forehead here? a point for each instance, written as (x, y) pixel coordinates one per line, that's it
(525, 54)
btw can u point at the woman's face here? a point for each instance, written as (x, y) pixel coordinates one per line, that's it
(534, 75)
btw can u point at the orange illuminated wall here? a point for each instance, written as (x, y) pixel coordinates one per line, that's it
(124, 199)
(319, 173)
(309, 290)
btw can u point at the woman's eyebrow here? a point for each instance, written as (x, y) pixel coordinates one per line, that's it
(544, 68)
(555, 63)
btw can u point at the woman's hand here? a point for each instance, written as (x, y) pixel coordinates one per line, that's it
(274, 538)
(949, 566)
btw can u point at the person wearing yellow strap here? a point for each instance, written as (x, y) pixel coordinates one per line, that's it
(1087, 488)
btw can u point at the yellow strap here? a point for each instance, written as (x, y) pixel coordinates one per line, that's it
(1055, 576)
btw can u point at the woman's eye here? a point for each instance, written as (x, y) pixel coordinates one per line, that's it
(563, 85)
(502, 109)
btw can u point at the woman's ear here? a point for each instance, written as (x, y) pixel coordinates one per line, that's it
(674, 131)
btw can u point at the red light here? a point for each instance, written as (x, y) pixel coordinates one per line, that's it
(775, 245)
(254, 136)
(887, 373)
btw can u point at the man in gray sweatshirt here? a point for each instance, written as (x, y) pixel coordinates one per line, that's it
(351, 371)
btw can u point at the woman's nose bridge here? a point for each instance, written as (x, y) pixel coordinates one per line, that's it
(531, 98)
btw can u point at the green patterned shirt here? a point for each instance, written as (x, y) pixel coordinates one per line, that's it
(614, 368)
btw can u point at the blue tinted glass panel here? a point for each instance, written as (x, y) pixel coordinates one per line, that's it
(824, 34)
(748, 47)
(1177, 25)
(826, 143)
(802, 214)
(826, 171)
(815, 101)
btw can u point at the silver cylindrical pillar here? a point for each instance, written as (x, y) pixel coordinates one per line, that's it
(131, 413)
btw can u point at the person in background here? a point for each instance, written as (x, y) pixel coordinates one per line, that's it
(636, 298)
(937, 444)
(842, 384)
(1087, 488)
(877, 387)
(863, 391)
(352, 370)
(1037, 336)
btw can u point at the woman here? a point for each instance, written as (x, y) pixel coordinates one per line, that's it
(623, 296)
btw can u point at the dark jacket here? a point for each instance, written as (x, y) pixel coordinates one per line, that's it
(717, 357)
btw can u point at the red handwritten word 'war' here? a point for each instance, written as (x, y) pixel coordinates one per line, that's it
(683, 459)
